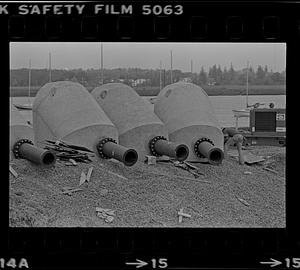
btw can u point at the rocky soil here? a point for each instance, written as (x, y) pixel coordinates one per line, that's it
(231, 195)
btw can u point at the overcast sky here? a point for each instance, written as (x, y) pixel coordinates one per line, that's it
(69, 55)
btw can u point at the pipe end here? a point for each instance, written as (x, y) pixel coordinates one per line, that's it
(48, 158)
(130, 157)
(215, 156)
(182, 152)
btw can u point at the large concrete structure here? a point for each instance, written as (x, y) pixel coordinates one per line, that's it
(189, 117)
(137, 125)
(65, 110)
(21, 141)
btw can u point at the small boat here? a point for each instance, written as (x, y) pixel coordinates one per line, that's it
(24, 107)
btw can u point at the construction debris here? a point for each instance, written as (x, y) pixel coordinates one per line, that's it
(188, 167)
(12, 171)
(270, 170)
(181, 214)
(82, 178)
(117, 175)
(242, 201)
(150, 160)
(89, 173)
(70, 190)
(69, 153)
(106, 214)
(85, 177)
(248, 157)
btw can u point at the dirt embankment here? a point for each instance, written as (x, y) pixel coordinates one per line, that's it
(151, 195)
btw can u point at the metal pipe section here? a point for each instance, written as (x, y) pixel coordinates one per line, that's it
(108, 148)
(159, 146)
(205, 148)
(25, 149)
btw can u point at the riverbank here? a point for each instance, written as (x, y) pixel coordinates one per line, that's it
(228, 195)
(211, 90)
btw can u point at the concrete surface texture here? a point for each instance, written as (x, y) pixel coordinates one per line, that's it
(65, 110)
(188, 115)
(18, 129)
(133, 117)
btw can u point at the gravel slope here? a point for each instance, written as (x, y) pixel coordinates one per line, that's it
(151, 195)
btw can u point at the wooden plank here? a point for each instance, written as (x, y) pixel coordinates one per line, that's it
(89, 173)
(82, 178)
(12, 171)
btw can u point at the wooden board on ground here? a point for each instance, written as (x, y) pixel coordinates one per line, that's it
(249, 157)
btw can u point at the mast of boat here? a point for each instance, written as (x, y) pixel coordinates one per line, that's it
(101, 61)
(160, 84)
(29, 80)
(247, 87)
(50, 75)
(171, 67)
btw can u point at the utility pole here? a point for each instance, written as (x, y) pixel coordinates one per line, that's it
(50, 75)
(102, 78)
(171, 67)
(160, 82)
(29, 78)
(247, 89)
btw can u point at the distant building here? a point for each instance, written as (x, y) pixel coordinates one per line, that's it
(211, 81)
(139, 82)
(187, 79)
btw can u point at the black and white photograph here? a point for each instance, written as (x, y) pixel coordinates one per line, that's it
(131, 134)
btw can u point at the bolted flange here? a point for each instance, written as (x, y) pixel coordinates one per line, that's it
(17, 145)
(100, 147)
(197, 143)
(152, 145)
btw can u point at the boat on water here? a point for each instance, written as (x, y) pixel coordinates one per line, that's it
(25, 107)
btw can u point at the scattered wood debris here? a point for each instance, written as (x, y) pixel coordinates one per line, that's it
(89, 173)
(73, 162)
(107, 214)
(69, 153)
(117, 175)
(82, 178)
(242, 201)
(150, 160)
(248, 156)
(163, 159)
(70, 190)
(181, 214)
(85, 177)
(12, 171)
(270, 170)
(188, 167)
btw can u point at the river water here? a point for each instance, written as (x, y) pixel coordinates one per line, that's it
(223, 106)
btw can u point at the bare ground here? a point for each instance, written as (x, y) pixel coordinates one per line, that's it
(151, 195)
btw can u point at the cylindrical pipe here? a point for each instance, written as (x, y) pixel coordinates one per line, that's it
(108, 148)
(27, 150)
(214, 154)
(170, 149)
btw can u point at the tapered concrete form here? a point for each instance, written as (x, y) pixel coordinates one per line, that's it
(190, 119)
(21, 141)
(137, 125)
(65, 110)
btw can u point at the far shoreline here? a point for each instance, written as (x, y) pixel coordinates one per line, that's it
(211, 90)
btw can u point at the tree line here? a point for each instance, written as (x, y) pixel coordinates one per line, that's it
(150, 77)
